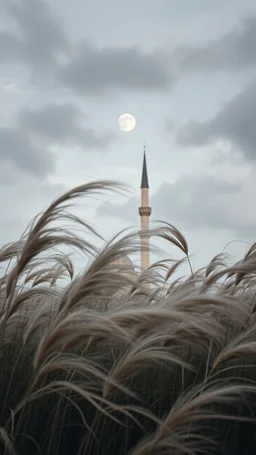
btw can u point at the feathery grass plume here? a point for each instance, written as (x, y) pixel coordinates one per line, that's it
(104, 364)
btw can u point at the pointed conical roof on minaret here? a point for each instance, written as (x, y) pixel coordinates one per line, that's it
(144, 178)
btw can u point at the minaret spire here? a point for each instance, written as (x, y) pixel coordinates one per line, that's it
(144, 177)
(145, 212)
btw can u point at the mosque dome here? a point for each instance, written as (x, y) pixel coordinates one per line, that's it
(125, 264)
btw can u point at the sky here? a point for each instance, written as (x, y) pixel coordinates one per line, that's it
(186, 69)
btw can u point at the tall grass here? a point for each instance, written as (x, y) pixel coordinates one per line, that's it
(110, 365)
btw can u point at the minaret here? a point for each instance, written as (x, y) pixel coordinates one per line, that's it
(145, 212)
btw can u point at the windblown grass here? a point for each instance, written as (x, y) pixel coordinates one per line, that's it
(109, 365)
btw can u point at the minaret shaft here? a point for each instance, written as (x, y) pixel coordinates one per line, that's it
(145, 255)
(144, 197)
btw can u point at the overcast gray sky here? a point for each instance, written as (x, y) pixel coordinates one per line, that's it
(186, 69)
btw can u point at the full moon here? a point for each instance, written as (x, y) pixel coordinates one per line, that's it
(126, 122)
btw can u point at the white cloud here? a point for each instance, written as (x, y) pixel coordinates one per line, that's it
(9, 88)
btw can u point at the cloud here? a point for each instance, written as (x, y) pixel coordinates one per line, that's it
(9, 88)
(21, 202)
(233, 51)
(94, 69)
(19, 153)
(38, 38)
(26, 146)
(206, 202)
(39, 42)
(62, 124)
(42, 45)
(234, 123)
(197, 202)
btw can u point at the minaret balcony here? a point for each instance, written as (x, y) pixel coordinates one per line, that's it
(145, 211)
